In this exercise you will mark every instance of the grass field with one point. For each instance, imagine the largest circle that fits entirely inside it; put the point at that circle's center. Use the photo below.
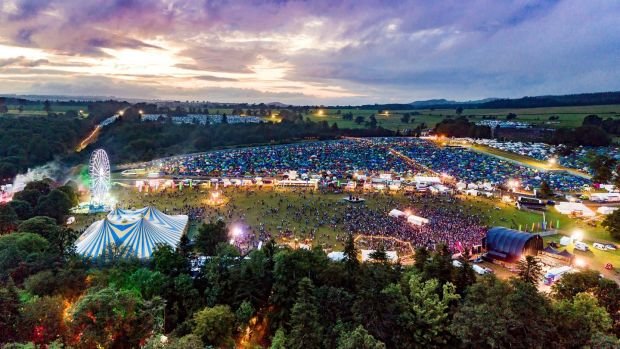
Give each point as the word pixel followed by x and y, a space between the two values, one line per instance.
pixel 251 208
pixel 37 110
pixel 248 207
pixel 568 116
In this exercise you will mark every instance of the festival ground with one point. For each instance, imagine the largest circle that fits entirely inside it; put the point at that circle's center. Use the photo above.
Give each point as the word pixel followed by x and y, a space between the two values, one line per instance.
pixel 273 210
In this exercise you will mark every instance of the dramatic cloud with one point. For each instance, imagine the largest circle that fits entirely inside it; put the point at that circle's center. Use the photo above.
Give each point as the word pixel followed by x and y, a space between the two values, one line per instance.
pixel 315 52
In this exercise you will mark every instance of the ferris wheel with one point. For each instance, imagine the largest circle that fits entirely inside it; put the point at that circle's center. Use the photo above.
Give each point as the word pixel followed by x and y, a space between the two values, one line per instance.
pixel 99 171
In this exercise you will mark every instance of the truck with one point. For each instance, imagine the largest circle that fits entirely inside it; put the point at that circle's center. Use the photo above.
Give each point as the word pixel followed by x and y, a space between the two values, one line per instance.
pixel 555 274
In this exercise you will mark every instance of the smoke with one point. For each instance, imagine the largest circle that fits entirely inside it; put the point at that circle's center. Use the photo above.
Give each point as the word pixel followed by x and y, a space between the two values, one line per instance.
pixel 53 170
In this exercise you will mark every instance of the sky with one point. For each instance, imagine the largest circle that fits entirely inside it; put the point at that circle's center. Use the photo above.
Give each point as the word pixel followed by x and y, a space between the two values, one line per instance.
pixel 309 52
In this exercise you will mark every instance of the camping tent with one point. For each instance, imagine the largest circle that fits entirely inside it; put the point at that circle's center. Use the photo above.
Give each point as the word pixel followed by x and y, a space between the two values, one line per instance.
pixel 396 213
pixel 417 220
pixel 134 232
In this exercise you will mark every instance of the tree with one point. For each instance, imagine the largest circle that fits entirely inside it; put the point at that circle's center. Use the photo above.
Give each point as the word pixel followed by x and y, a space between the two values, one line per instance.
pixel 545 190
pixel 112 318
pixel 243 314
pixel 579 320
pixel 61 239
pixel 18 248
pixel 529 270
pixel 359 119
pixel 359 339
pixel 279 340
pixel 56 204
pixel 350 252
pixel 41 284
pixel 8 219
pixel 420 258
pixel 592 119
pixel 463 276
pixel 612 224
pixel 209 236
pixel 379 255
pixel 306 330
pixel 42 320
pixel 602 167
pixel 498 314
pixel 9 312
pixel 372 122
pixel 47 106
pixel 572 284
pixel 429 309
pixel 215 326
pixel 290 267
pixel 168 261
pixel 22 208
pixel 511 116
pixel 459 110
pixel 70 189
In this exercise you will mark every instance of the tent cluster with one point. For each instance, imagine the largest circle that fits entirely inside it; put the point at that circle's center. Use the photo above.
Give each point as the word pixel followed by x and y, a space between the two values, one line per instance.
pixel 472 167
pixel 135 233
pixel 578 158
pixel 339 159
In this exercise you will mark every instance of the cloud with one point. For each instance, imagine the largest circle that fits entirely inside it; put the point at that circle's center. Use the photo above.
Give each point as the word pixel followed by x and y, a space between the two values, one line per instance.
pixel 319 51
pixel 21 61
pixel 213 78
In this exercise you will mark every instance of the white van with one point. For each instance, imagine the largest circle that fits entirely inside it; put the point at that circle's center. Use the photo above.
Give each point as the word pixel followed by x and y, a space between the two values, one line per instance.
pixel 599 246
pixel 581 246
pixel 481 270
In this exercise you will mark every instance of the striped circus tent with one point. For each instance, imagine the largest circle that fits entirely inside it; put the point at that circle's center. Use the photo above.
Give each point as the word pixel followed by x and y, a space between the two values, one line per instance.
pixel 134 232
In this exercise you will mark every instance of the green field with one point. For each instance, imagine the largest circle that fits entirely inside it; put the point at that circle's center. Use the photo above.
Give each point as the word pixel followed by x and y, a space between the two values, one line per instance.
pixel 37 110
pixel 568 116
pixel 250 207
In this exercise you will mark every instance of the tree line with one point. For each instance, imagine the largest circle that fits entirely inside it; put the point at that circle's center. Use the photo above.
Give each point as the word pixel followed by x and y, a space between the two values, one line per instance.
pixel 132 140
pixel 278 297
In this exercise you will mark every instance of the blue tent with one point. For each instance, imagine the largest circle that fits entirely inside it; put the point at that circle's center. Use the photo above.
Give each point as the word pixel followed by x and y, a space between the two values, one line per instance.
pixel 136 233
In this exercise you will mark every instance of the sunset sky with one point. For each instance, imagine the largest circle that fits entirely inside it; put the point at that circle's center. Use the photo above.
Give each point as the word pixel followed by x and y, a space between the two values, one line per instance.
pixel 309 52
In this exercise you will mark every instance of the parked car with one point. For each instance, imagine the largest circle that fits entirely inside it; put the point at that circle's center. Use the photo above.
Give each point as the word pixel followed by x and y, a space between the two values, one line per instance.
pixel 612 247
pixel 581 246
pixel 599 246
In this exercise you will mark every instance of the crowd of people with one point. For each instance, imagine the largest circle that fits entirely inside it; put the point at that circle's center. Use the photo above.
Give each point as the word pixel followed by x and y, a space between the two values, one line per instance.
pixel 448 224
pixel 308 216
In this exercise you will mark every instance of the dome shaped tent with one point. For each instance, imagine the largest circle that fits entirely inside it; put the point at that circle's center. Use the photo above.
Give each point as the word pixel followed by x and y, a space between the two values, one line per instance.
pixel 508 244
pixel 135 232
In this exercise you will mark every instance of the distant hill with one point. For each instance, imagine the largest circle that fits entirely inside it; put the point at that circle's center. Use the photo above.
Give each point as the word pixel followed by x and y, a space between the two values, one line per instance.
pixel 581 99
pixel 278 105
pixel 439 102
